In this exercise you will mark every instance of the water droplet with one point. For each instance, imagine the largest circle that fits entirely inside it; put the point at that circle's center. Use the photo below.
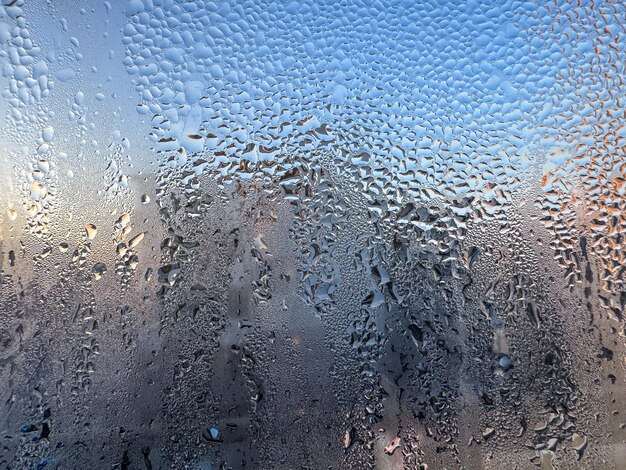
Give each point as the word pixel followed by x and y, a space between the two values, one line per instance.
pixel 48 134
pixel 99 269
pixel 90 231
pixel 133 242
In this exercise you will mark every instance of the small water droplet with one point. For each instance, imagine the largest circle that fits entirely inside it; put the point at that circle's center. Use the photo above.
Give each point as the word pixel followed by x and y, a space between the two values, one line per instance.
pixel 91 231
pixel 48 133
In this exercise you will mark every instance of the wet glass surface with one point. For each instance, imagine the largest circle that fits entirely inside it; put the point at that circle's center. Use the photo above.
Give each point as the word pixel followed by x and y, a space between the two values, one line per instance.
pixel 312 235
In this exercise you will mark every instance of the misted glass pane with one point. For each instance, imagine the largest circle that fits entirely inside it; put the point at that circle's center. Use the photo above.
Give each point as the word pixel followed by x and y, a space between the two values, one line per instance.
pixel 312 234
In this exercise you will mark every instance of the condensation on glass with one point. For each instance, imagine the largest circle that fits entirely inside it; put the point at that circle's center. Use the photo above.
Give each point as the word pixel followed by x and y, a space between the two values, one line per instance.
pixel 330 234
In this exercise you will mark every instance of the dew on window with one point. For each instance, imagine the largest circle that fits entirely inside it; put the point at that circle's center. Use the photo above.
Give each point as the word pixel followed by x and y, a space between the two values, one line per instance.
pixel 296 234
